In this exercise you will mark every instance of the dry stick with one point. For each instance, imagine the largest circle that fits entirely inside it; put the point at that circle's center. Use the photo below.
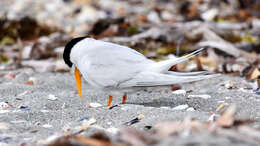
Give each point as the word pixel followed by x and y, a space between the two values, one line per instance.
pixel 215 41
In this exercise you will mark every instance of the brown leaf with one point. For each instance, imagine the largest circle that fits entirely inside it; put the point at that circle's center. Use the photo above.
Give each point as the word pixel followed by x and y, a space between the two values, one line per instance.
pixel 29 83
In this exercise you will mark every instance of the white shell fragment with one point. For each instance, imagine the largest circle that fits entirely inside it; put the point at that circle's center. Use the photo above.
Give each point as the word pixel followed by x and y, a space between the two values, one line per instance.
pixel 52 97
pixel 190 109
pixel 180 92
pixel 89 122
pixel 3 106
pixel 47 126
pixel 95 104
pixel 212 118
pixel 181 107
pixel 112 130
pixel 204 96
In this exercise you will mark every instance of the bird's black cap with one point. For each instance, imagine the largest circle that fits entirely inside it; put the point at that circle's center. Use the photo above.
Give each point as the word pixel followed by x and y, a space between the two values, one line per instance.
pixel 68 47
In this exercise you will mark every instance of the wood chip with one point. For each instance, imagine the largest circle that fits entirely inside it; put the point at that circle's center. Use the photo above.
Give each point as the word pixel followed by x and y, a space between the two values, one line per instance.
pixel 227 118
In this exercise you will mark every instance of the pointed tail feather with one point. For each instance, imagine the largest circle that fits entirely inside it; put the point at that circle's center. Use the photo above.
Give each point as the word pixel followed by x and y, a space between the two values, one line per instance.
pixel 187 73
pixel 157 79
pixel 164 66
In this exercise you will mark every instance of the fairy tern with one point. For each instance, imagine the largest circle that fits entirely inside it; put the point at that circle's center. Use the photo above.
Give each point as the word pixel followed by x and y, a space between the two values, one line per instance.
pixel 116 69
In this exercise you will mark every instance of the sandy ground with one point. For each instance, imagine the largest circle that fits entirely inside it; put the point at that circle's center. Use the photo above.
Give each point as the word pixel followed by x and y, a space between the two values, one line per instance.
pixel 32 117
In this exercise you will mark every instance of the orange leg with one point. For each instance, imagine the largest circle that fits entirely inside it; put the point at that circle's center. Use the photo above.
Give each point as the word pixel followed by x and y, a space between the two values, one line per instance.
pixel 124 98
pixel 109 100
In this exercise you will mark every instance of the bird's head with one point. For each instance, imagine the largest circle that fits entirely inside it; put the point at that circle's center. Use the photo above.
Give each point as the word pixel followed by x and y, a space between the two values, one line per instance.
pixel 67 50
pixel 66 57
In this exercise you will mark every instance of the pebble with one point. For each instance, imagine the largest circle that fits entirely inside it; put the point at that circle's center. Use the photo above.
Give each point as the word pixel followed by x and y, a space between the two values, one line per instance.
pixel 181 107
pixel 227 97
pixel 44 111
pixel 230 85
pixel 52 97
pixel 95 104
pixel 204 96
pixel 180 92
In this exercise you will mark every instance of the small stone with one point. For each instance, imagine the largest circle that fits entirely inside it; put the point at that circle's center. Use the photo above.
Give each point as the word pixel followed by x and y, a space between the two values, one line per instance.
pixel 52 97
pixel 95 104
pixel 181 107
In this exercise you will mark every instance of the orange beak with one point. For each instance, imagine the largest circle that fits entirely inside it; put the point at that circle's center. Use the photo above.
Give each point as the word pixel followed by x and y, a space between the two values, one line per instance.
pixel 78 81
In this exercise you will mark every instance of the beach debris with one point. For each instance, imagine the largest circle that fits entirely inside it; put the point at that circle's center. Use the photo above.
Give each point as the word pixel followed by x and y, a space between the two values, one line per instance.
pixel 26 108
pixel 227 118
pixel 179 92
pixel 135 120
pixel 98 139
pixel 212 118
pixel 95 104
pixel 221 106
pixel 181 107
pixel 203 96
pixel 52 97
pixel 23 93
pixel 84 118
pixel 190 109
pixel 230 85
pixel 4 105
pixel 254 74
pixel 47 126
pixel 113 106
pixel 113 130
